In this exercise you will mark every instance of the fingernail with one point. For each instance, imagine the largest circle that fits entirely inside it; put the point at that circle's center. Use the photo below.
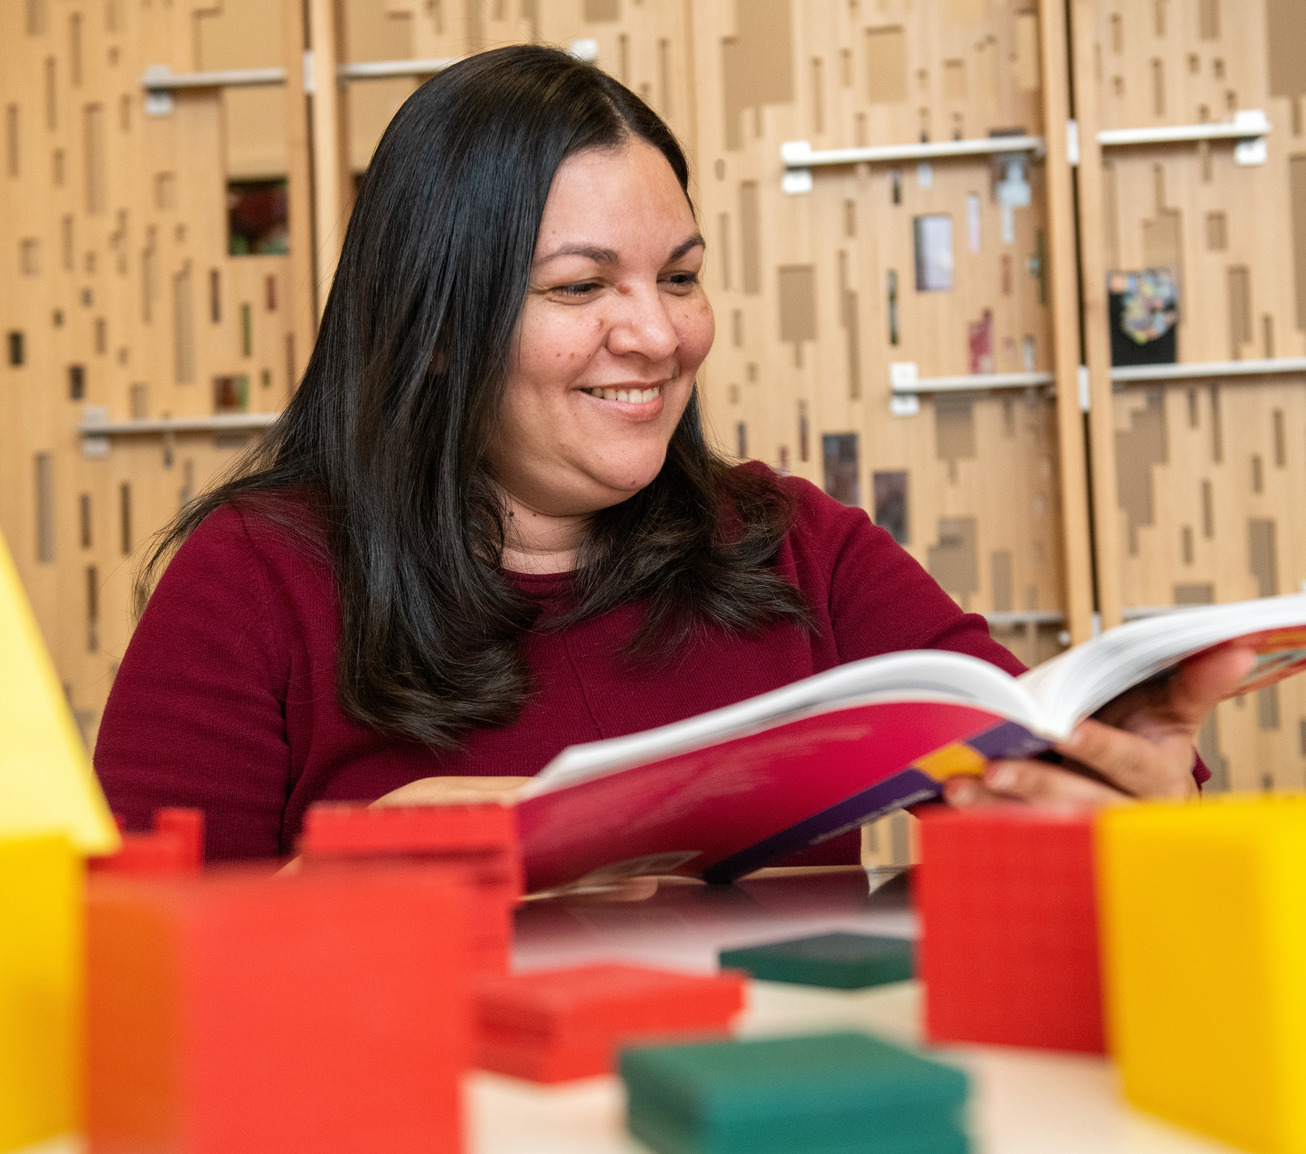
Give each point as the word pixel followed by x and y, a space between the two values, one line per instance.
pixel 1000 776
pixel 962 791
pixel 1073 740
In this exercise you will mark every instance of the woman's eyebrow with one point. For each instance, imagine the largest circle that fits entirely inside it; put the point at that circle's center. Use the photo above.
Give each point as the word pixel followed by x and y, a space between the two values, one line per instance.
pixel 588 251
pixel 609 256
pixel 687 245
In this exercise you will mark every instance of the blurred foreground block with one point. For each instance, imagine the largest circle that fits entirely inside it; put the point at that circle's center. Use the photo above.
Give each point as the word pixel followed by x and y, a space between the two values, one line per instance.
pixel 838 961
pixel 47 785
pixel 174 846
pixel 40 989
pixel 1204 928
pixel 1009 933
pixel 819 1094
pixel 476 842
pixel 237 1013
pixel 555 1025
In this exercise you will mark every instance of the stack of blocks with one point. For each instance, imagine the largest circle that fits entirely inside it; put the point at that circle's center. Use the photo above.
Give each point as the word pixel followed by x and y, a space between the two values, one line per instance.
pixel 478 843
pixel 1204 936
pixel 234 1011
pixel 52 815
pixel 1009 930
pixel 837 961
pixel 822 1094
pixel 555 1025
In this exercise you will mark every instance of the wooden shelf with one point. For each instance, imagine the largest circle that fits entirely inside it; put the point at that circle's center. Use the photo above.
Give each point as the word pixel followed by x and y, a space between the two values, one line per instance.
pixel 377 69
pixel 799 158
pixel 1006 618
pixel 970 382
pixel 1246 125
pixel 91 426
pixel 1141 374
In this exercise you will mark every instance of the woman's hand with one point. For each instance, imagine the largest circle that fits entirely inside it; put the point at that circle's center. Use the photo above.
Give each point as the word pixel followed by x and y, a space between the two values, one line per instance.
pixel 455 791
pixel 1140 745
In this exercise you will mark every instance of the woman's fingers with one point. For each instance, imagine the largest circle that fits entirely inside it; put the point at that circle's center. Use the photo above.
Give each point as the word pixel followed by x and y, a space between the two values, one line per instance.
pixel 1031 782
pixel 1182 701
pixel 455 791
pixel 1139 765
pixel 1141 745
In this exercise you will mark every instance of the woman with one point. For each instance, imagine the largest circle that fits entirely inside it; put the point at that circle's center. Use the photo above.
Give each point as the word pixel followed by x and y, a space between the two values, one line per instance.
pixel 488 524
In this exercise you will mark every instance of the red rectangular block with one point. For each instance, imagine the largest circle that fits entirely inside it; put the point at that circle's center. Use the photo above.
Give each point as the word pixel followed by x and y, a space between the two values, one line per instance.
pixel 483 837
pixel 239 1012
pixel 553 1025
pixel 1009 933
pixel 175 846
pixel 478 842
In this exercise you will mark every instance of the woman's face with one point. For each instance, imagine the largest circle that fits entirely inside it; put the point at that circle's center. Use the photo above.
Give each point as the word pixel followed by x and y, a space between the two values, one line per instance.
pixel 613 330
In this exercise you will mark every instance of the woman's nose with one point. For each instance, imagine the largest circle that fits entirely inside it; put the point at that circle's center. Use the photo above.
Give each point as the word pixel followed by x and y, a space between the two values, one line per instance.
pixel 643 326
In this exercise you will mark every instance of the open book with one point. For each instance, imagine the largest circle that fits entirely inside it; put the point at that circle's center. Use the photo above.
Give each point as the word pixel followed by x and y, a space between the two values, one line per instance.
pixel 724 793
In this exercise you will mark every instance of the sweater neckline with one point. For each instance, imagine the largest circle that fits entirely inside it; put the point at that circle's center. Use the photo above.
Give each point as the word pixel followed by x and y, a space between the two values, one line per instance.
pixel 539 582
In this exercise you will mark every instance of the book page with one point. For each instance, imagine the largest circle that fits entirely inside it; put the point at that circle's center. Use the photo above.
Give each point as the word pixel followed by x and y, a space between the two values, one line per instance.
pixel 913 675
pixel 1079 682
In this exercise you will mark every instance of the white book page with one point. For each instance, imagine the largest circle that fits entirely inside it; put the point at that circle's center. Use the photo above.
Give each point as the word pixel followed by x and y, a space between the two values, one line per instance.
pixel 913 675
pixel 1079 682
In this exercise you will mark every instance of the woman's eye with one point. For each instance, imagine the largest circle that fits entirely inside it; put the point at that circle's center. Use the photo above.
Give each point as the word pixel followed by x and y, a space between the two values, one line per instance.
pixel 682 279
pixel 585 288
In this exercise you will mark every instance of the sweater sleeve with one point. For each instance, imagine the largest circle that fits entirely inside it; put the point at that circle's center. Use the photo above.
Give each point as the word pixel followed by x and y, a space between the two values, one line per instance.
pixel 196 714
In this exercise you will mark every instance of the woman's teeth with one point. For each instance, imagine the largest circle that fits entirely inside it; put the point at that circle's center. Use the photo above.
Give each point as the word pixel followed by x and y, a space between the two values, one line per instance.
pixel 634 396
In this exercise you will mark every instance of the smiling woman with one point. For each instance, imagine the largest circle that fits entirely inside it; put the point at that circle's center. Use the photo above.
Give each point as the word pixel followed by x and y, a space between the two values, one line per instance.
pixel 488 525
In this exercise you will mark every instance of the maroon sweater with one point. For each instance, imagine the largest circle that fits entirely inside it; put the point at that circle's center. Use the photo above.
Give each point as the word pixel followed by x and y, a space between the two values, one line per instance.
pixel 226 697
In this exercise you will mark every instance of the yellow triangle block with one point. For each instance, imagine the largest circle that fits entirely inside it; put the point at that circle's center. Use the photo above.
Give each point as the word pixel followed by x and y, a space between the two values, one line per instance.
pixel 47 785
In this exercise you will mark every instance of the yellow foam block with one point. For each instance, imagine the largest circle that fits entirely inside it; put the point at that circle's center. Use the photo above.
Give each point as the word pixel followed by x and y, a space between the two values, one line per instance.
pixel 1203 917
pixel 46 781
pixel 41 986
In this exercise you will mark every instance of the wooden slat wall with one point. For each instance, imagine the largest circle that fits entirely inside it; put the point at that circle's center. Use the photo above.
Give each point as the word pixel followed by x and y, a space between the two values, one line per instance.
pixel 1207 474
pixel 988 489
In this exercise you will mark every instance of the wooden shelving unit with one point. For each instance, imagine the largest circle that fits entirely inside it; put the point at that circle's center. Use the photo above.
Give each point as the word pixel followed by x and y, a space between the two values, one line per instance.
pixel 940 184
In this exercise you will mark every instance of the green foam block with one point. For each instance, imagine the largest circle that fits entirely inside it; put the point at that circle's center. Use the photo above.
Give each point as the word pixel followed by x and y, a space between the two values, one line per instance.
pixel 815 1094
pixel 839 961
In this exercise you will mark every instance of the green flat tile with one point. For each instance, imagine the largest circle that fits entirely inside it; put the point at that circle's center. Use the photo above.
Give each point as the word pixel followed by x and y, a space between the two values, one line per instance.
pixel 669 1135
pixel 813 1094
pixel 838 961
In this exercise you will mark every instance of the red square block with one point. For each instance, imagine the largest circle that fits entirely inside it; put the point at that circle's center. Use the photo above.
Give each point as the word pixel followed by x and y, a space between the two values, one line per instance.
pixel 175 846
pixel 1009 933
pixel 554 1025
pixel 477 841
pixel 234 1011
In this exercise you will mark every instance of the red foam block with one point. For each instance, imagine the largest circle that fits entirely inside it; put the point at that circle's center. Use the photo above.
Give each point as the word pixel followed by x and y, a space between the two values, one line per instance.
pixel 235 1011
pixel 1009 933
pixel 553 1025
pixel 176 846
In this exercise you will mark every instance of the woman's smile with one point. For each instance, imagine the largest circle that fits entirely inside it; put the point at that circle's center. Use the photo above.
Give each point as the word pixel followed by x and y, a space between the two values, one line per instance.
pixel 643 396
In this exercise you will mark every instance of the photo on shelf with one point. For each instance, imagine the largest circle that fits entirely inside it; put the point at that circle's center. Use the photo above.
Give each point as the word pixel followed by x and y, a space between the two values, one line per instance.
pixel 1143 308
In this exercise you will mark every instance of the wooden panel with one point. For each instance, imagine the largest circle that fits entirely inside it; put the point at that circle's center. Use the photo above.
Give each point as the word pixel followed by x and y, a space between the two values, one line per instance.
pixel 1208 471
pixel 122 289
pixel 855 231
pixel 128 218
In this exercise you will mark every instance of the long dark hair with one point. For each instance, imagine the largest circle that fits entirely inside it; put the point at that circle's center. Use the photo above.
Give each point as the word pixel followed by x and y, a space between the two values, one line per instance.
pixel 387 436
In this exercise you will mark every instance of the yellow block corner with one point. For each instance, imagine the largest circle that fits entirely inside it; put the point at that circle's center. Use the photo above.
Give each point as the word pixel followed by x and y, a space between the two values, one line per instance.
pixel 47 784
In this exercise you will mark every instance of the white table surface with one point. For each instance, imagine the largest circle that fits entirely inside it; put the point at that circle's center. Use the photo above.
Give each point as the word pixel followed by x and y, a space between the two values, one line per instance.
pixel 1022 1101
